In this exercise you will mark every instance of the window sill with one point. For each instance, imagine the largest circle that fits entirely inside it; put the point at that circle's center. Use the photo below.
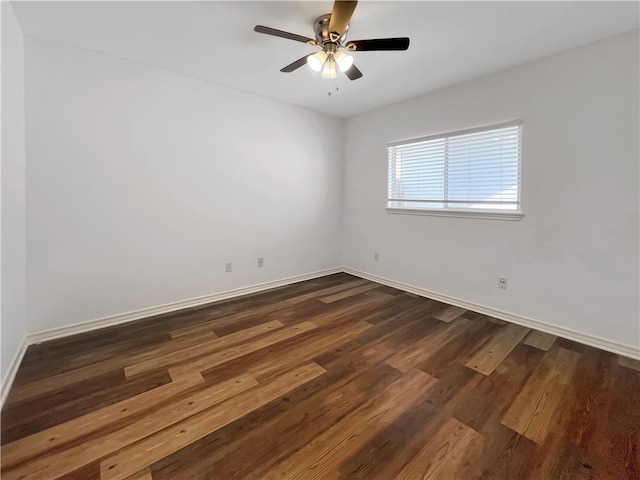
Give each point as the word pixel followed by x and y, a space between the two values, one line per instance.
pixel 467 213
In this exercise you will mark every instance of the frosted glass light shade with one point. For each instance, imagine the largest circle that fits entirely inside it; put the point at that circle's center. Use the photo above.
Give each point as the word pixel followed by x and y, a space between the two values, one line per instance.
pixel 316 60
pixel 344 61
pixel 329 68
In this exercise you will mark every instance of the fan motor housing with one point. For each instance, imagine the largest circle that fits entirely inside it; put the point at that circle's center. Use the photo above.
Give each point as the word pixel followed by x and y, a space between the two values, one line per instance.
pixel 321 29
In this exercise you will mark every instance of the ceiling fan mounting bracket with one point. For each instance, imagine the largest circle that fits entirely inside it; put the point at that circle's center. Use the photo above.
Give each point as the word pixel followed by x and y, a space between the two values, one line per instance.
pixel 323 35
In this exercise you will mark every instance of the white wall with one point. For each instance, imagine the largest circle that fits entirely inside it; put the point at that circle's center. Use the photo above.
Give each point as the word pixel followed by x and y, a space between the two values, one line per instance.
pixel 143 183
pixel 13 191
pixel 572 261
pixel 133 180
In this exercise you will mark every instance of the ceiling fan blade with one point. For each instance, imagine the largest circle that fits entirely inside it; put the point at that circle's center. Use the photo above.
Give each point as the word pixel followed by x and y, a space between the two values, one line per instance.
pixel 353 73
pixel 295 65
pixel 283 34
pixel 340 16
pixel 401 43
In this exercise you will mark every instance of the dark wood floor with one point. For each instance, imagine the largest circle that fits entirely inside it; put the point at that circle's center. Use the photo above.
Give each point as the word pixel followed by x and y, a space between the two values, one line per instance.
pixel 334 378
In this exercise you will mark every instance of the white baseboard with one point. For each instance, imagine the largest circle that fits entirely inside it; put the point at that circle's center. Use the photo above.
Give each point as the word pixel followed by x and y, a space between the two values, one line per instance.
pixel 601 343
pixel 10 376
pixel 111 320
pixel 55 333
pixel 82 327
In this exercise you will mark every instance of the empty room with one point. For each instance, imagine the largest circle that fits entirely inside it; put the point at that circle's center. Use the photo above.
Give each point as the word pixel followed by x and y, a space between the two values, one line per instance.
pixel 320 240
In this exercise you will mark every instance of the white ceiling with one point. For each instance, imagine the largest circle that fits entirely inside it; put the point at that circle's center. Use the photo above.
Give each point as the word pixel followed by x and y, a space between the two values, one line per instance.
pixel 451 42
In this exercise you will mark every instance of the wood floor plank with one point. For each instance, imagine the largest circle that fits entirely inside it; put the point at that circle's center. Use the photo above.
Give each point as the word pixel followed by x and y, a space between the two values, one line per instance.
pixel 258 305
pixel 427 346
pixel 88 348
pixel 507 454
pixel 384 455
pixel 201 349
pixel 627 362
pixel 266 309
pixel 379 293
pixel 149 450
pixel 384 337
pixel 191 331
pixel 540 340
pixel 308 351
pixel 141 475
pixel 90 471
pixel 62 462
pixel 533 410
pixel 59 381
pixel 348 293
pixel 362 308
pixel 40 443
pixel 288 353
pixel 358 308
pixel 300 417
pixel 580 440
pixel 450 313
pixel 323 455
pixel 41 366
pixel 87 372
pixel 28 418
pixel 246 317
pixel 410 327
pixel 495 393
pixel 220 357
pixel 179 376
pixel 423 307
pixel 386 448
pixel 450 454
pixel 623 453
pixel 488 357
pixel 458 348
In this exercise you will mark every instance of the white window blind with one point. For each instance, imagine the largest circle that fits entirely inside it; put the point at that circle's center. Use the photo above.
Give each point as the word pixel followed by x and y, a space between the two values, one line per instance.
pixel 476 169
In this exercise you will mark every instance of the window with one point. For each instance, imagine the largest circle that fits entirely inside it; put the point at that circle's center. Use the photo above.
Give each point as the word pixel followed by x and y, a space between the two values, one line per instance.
pixel 467 173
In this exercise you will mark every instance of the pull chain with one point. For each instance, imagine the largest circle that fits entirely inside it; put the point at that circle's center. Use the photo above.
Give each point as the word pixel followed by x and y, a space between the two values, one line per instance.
pixel 337 88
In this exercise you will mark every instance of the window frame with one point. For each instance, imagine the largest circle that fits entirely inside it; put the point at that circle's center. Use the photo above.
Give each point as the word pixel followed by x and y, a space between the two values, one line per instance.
pixel 491 214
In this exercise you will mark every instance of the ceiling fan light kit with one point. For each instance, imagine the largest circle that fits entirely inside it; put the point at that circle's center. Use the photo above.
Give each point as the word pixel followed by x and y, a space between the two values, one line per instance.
pixel 343 60
pixel 331 35
pixel 329 68
pixel 316 61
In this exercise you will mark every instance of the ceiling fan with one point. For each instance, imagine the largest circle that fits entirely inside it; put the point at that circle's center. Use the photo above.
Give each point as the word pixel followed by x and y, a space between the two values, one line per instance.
pixel 331 36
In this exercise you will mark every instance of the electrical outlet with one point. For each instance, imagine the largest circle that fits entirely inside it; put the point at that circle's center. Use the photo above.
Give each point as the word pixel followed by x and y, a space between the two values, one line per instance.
pixel 260 262
pixel 228 267
pixel 502 283
pixel 376 256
